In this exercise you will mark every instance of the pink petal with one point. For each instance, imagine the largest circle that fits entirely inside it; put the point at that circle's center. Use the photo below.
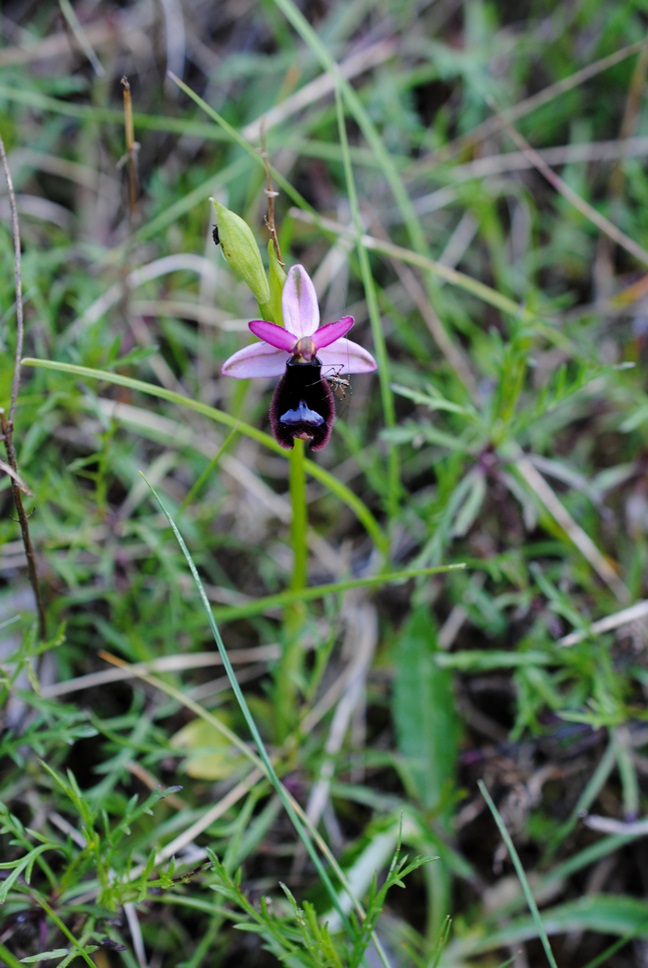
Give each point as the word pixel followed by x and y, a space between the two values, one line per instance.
pixel 275 335
pixel 348 356
pixel 259 359
pixel 328 334
pixel 299 303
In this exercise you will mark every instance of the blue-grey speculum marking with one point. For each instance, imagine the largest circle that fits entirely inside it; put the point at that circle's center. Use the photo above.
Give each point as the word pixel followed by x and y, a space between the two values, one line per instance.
pixel 302 415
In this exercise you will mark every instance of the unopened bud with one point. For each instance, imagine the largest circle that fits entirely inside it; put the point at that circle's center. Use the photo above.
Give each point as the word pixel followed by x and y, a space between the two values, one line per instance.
pixel 242 254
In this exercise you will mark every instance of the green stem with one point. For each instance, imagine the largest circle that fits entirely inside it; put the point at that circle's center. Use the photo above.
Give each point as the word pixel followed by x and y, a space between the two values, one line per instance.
pixel 299 524
pixel 9 959
pixel 290 669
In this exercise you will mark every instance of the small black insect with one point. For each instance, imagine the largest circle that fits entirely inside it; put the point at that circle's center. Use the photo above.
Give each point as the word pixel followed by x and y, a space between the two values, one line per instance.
pixel 215 235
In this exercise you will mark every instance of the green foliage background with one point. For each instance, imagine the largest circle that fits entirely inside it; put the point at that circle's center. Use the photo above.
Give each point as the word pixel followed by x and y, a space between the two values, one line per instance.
pixel 156 815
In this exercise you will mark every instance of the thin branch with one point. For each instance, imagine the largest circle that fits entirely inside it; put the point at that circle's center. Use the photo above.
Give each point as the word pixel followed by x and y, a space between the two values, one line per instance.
pixel 543 491
pixel 271 194
pixel 8 424
pixel 20 326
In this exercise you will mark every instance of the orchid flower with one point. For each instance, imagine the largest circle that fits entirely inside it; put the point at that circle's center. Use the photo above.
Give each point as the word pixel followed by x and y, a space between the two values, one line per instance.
pixel 302 406
pixel 301 337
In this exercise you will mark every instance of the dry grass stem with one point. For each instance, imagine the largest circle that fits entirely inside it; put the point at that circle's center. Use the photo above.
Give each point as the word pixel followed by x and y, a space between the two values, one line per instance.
pixel 492 125
pixel 627 616
pixel 580 539
pixel 579 203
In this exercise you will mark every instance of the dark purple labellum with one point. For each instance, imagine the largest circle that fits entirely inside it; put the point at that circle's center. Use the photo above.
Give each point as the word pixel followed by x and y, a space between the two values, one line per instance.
pixel 302 406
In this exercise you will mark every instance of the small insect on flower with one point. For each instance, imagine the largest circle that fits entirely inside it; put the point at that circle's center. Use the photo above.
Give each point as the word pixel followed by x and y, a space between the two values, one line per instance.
pixel 302 406
pixel 215 235
pixel 339 384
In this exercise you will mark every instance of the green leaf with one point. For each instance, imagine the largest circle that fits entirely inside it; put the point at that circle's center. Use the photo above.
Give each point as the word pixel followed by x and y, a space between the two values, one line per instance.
pixel 472 504
pixel 433 400
pixel 209 755
pixel 22 866
pixel 612 914
pixel 424 712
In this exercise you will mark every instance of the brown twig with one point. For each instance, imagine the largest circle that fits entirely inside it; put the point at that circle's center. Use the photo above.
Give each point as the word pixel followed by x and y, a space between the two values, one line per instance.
pixel 130 158
pixel 271 194
pixel 579 203
pixel 7 423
